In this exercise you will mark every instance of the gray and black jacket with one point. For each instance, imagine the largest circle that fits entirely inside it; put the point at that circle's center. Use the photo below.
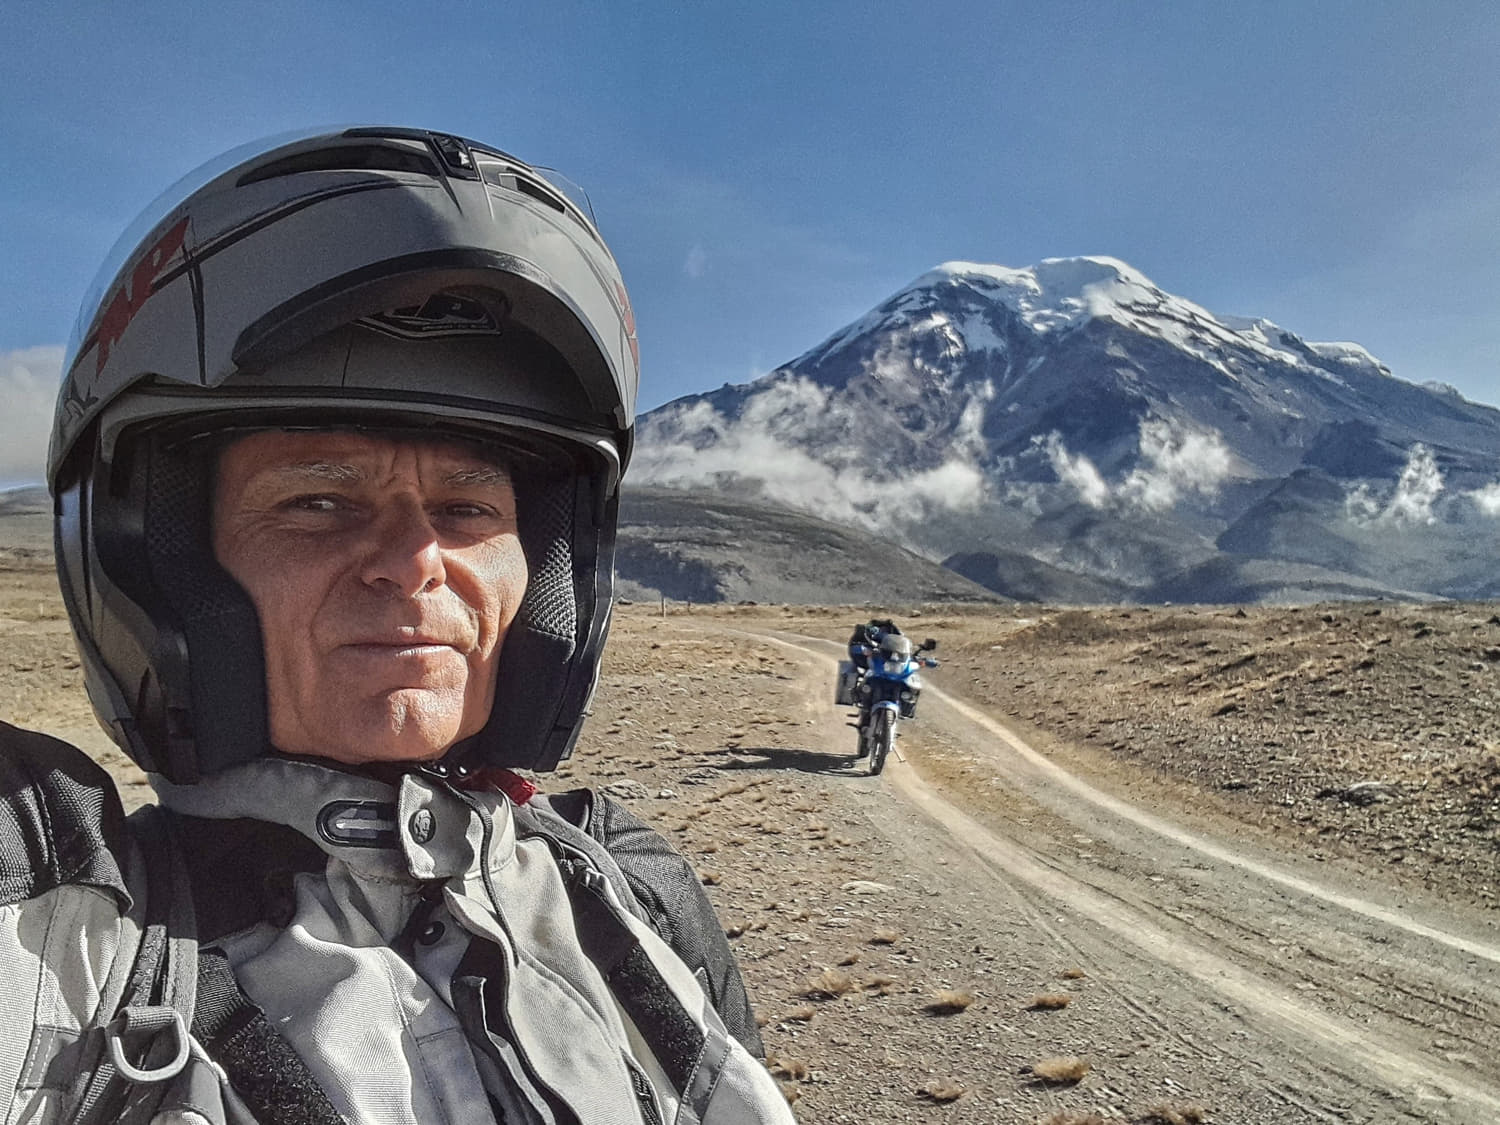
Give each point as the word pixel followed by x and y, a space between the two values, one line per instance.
pixel 292 943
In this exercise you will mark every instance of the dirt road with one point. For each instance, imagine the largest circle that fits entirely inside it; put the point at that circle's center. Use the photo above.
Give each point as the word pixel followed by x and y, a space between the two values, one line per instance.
pixel 1205 975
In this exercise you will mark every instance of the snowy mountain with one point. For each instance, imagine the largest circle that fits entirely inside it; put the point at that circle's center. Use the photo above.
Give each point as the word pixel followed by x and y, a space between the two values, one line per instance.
pixel 1075 414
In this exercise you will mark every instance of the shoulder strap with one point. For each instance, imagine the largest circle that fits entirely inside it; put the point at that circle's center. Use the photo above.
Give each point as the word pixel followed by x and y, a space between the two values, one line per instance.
pixel 668 893
pixel 174 985
pixel 146 1043
pixel 268 1075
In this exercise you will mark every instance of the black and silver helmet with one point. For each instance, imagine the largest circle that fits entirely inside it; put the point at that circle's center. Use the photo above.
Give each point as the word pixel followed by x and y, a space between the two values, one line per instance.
pixel 372 277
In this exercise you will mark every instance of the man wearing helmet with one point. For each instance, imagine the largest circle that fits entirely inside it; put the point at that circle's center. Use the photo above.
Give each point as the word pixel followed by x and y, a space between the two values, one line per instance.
pixel 336 471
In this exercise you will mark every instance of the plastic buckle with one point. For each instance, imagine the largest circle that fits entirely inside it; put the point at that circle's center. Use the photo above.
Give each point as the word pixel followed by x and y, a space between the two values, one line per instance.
pixel 152 1019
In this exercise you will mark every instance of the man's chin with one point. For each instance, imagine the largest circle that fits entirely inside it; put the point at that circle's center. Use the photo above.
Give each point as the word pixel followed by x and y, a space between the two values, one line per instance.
pixel 395 735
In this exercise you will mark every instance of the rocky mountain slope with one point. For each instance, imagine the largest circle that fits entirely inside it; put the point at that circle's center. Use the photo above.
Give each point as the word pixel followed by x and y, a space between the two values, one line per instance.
pixel 700 546
pixel 1076 415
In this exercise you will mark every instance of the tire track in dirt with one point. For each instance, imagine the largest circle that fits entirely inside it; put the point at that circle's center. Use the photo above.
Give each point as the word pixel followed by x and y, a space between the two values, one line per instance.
pixel 1420 1077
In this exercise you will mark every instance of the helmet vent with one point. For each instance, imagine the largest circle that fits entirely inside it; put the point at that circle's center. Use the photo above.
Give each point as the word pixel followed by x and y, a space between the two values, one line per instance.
pixel 343 158
pixel 526 187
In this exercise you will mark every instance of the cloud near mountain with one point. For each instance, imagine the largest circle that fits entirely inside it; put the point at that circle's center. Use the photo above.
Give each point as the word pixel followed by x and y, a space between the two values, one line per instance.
pixel 28 388
pixel 1174 460
pixel 763 449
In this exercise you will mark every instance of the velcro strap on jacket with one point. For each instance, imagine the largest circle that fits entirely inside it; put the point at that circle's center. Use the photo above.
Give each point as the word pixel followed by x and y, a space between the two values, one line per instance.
pixel 268 1075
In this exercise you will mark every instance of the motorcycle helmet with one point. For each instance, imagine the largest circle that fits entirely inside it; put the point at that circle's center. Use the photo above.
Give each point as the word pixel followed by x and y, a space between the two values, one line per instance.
pixel 384 278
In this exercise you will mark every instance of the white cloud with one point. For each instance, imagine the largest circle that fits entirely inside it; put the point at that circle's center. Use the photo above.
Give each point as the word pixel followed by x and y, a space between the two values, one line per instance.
pixel 1077 471
pixel 1487 499
pixel 1362 505
pixel 696 262
pixel 28 390
pixel 1416 491
pixel 1177 460
pixel 1174 460
pixel 695 445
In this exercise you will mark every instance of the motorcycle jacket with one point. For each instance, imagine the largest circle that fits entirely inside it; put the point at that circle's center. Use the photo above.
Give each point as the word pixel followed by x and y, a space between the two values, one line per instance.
pixel 321 946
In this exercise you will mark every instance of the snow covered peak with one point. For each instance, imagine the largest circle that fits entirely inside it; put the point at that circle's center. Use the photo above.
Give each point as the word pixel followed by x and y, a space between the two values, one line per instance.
pixel 1059 294
pixel 1052 280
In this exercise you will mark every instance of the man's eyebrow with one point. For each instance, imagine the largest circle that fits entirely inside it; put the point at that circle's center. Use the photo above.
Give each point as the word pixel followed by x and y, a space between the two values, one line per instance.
pixel 481 475
pixel 320 470
pixel 342 473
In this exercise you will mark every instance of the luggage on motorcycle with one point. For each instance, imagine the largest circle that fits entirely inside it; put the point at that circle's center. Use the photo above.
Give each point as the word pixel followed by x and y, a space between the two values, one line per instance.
pixel 843 692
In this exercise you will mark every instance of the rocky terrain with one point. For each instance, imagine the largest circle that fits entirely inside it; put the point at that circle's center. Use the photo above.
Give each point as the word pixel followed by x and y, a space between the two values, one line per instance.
pixel 1130 865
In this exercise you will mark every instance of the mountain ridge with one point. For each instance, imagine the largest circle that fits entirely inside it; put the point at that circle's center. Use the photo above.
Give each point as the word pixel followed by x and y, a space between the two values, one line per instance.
pixel 977 407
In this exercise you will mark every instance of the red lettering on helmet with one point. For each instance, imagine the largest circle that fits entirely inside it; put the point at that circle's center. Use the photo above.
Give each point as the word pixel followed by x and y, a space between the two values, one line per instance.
pixel 628 315
pixel 131 297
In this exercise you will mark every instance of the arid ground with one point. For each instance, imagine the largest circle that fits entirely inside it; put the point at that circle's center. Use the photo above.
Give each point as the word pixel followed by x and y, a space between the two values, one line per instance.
pixel 1148 865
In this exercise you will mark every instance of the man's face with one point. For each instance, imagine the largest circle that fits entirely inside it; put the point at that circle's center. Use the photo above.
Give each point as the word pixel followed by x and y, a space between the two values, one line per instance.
pixel 385 574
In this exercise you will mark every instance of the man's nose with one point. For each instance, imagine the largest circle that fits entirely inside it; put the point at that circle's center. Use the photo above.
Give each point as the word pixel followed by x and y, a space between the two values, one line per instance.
pixel 404 556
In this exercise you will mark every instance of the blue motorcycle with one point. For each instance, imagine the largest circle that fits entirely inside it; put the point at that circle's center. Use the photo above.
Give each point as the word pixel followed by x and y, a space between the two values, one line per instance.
pixel 883 680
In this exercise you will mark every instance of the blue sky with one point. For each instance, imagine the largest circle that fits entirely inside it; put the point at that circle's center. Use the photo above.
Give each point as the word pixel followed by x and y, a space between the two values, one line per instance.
pixel 768 171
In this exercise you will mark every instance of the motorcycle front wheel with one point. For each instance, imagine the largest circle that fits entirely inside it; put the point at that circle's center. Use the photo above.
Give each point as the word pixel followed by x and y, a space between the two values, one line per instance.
pixel 882 738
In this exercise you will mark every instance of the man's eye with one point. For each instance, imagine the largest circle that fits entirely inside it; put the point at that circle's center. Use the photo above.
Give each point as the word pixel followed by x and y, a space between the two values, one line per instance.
pixel 467 510
pixel 313 503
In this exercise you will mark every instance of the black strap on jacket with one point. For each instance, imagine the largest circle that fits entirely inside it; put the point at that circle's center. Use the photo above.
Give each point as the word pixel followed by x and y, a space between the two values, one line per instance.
pixel 268 1075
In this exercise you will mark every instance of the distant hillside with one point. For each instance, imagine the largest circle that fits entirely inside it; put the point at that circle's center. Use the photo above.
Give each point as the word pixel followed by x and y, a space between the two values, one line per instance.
pixel 26 527
pixel 694 545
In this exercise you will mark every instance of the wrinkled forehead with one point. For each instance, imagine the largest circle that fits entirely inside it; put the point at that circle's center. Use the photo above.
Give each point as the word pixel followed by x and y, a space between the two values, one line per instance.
pixel 356 456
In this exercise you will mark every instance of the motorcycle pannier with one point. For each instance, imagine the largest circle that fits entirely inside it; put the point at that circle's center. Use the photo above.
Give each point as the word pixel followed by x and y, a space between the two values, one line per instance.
pixel 843 692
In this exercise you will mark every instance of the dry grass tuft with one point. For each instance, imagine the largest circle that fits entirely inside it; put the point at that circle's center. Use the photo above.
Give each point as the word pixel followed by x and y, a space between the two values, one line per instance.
pixel 949 1001
pixel 781 1067
pixel 1165 1113
pixel 849 959
pixel 1049 1002
pixel 791 1092
pixel 710 878
pixel 941 1090
pixel 802 1014
pixel 880 984
pixel 737 929
pixel 830 984
pixel 885 936
pixel 1064 1070
pixel 708 848
pixel 1072 974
